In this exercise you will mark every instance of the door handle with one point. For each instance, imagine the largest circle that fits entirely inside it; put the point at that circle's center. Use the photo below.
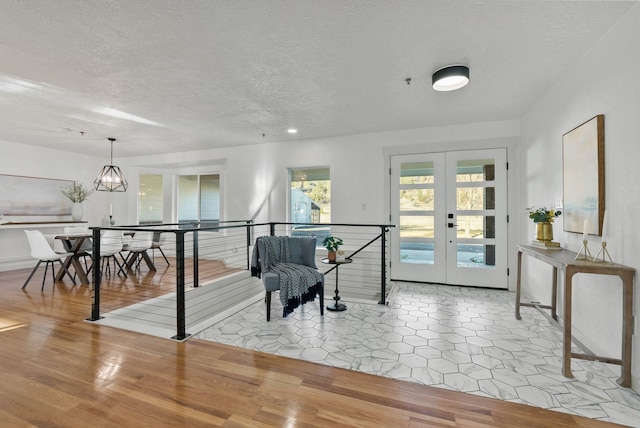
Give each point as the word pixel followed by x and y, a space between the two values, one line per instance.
pixel 451 225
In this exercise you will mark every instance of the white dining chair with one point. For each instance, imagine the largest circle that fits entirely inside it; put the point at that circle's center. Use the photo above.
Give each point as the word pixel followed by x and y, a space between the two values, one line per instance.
pixel 140 243
pixel 54 243
pixel 111 243
pixel 159 239
pixel 42 251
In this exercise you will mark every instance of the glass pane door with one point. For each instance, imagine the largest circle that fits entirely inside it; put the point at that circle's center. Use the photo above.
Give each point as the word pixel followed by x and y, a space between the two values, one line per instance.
pixel 450 209
pixel 476 218
pixel 418 183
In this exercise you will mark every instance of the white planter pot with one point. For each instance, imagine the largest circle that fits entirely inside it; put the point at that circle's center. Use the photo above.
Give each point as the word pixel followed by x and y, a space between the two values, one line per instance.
pixel 76 211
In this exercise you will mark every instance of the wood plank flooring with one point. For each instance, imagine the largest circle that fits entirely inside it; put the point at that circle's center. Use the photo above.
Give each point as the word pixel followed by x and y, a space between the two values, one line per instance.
pixel 60 371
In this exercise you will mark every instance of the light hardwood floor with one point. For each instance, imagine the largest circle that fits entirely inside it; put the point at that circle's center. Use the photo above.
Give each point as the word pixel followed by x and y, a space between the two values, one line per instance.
pixel 60 371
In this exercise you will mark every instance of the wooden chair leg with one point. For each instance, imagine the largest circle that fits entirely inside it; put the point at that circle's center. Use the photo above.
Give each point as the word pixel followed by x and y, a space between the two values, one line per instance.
pixel 268 298
pixel 31 275
pixel 120 267
pixel 104 263
pixel 44 277
pixel 138 260
pixel 165 257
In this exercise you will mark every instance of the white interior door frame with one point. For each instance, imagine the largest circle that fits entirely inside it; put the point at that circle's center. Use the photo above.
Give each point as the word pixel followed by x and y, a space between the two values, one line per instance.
pixel 426 246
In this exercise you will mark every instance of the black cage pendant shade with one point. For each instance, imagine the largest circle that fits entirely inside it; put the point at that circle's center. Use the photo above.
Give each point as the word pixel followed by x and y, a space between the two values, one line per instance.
pixel 111 179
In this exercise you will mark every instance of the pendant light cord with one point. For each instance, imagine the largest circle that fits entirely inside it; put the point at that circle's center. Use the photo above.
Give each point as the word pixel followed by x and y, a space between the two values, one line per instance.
pixel 112 140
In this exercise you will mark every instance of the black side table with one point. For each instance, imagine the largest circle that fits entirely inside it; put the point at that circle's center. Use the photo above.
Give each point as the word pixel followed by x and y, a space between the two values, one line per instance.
pixel 337 306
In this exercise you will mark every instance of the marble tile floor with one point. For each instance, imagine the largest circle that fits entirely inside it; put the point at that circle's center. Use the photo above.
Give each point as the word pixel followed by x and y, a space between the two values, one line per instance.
pixel 459 338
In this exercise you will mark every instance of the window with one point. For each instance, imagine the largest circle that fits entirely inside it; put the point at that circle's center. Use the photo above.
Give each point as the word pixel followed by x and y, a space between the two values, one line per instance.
pixel 310 200
pixel 199 198
pixel 150 199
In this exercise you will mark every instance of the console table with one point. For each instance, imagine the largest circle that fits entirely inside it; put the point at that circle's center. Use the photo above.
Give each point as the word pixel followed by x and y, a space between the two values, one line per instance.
pixel 564 261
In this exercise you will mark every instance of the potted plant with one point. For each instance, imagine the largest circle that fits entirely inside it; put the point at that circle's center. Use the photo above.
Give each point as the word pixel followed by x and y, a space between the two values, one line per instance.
pixel 331 243
pixel 543 218
pixel 77 194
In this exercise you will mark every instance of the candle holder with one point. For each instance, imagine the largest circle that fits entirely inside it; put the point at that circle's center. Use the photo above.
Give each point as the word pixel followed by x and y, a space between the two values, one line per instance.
pixel 605 254
pixel 584 251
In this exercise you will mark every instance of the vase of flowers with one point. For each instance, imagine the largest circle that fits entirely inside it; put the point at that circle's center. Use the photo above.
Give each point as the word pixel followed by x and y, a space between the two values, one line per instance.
pixel 77 194
pixel 543 218
pixel 331 243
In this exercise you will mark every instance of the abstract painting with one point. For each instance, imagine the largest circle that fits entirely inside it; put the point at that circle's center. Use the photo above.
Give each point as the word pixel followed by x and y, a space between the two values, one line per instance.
pixel 583 173
pixel 32 196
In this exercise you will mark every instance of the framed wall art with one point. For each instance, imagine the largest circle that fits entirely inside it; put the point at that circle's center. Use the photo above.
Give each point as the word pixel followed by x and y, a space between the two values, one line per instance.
pixel 583 177
pixel 33 196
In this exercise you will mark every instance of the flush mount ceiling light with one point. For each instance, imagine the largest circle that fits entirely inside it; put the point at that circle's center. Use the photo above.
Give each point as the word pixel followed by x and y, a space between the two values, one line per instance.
pixel 111 179
pixel 450 78
pixel 292 131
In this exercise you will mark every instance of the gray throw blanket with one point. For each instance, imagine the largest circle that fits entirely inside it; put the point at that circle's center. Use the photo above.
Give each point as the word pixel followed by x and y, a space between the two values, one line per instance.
pixel 299 284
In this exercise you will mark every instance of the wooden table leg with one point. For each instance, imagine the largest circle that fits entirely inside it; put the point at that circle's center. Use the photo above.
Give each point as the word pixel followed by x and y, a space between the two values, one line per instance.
pixel 77 265
pixel 66 264
pixel 148 261
pixel 627 327
pixel 73 247
pixel 518 285
pixel 566 341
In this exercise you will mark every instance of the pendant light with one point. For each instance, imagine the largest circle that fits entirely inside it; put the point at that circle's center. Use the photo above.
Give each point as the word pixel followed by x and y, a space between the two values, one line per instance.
pixel 450 78
pixel 111 179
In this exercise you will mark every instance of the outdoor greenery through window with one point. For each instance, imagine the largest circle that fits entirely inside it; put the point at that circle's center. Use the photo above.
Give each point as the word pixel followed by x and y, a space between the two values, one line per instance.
pixel 472 194
pixel 199 198
pixel 150 199
pixel 310 201
pixel 417 200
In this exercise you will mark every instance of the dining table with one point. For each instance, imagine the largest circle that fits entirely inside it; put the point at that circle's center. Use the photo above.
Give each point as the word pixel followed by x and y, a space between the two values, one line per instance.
pixel 73 243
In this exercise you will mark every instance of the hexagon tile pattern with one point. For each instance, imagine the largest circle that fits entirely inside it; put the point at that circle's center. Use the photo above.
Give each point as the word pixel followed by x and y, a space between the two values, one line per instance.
pixel 459 338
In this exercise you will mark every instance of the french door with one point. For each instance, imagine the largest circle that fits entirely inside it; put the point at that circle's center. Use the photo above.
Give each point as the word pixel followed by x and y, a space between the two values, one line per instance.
pixel 451 215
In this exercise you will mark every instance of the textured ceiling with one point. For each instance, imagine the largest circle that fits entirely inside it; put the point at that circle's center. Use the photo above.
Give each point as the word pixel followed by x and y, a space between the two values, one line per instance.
pixel 198 74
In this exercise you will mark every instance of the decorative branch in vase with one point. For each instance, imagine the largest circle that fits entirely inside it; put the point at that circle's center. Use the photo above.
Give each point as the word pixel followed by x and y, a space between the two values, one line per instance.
pixel 77 194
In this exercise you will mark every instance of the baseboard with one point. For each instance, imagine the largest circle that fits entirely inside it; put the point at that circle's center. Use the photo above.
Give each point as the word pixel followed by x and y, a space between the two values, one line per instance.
pixel 15 264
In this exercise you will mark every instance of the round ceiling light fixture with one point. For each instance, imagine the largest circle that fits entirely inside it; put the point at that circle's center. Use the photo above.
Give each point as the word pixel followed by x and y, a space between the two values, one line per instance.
pixel 292 131
pixel 450 78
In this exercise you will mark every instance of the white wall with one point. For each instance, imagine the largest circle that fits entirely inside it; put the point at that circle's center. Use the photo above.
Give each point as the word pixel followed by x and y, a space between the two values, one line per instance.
pixel 604 81
pixel 256 176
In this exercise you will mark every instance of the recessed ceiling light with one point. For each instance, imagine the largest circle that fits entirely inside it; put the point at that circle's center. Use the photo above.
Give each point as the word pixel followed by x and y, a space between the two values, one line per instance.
pixel 292 131
pixel 450 78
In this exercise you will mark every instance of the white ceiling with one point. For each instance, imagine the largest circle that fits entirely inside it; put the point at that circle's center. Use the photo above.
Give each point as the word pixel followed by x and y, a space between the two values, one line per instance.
pixel 196 74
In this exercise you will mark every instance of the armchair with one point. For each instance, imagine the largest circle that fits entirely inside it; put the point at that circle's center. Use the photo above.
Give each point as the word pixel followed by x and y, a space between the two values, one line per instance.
pixel 287 264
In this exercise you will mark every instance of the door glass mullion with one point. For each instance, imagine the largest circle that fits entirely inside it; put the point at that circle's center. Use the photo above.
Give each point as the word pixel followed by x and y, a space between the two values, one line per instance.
pixel 476 212
pixel 416 186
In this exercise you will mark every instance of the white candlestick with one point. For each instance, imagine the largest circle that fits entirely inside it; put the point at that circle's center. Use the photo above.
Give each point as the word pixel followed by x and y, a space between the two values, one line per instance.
pixel 110 209
pixel 585 227
pixel 604 227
